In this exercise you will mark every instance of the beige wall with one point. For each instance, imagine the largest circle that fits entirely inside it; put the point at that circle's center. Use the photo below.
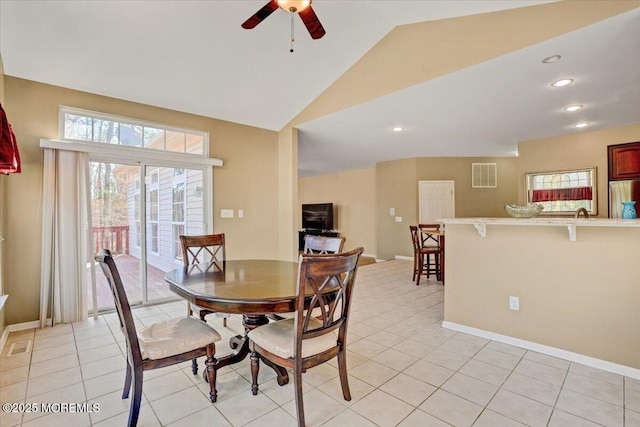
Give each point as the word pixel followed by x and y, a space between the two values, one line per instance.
pixel 396 182
pixel 287 195
pixel 397 187
pixel 248 180
pixel 579 150
pixel 354 197
pixel 476 202
pixel 2 244
pixel 3 184
pixel 578 296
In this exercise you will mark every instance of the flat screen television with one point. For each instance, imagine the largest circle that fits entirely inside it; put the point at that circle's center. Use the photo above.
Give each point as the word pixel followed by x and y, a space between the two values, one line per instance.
pixel 317 216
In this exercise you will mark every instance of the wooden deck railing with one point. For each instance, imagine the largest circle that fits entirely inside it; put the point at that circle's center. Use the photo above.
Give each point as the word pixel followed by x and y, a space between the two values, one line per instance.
pixel 114 238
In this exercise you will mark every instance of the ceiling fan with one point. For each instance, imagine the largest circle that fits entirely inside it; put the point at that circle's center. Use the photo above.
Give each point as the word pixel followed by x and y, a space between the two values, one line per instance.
pixel 302 7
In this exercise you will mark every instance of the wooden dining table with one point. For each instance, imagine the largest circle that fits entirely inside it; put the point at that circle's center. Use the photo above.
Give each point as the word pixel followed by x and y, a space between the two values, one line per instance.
pixel 253 288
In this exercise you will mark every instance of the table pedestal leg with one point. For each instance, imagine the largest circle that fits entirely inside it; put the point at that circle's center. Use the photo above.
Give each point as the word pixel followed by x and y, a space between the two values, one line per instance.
pixel 240 343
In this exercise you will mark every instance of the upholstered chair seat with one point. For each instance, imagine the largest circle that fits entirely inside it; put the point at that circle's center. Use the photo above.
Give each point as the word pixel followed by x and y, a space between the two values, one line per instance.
pixel 279 338
pixel 175 336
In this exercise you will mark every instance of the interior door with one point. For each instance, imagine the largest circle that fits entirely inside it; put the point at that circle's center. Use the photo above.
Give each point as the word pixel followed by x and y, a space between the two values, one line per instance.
pixel 436 200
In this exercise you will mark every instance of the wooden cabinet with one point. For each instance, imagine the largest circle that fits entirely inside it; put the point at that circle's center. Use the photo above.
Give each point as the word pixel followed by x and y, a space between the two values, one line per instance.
pixel 624 161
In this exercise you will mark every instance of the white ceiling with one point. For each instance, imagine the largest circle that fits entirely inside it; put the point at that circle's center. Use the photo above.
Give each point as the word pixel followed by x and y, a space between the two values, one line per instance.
pixel 486 109
pixel 193 56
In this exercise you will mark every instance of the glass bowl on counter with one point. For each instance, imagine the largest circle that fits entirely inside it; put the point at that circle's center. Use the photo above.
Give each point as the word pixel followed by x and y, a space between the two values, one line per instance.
pixel 529 211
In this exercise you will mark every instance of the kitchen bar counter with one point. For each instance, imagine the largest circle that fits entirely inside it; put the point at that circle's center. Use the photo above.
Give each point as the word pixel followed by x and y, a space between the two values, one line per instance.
pixel 572 224
pixel 579 298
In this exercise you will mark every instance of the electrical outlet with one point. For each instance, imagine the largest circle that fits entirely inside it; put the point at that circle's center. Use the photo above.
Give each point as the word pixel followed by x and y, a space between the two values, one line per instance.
pixel 514 303
pixel 240 213
pixel 226 213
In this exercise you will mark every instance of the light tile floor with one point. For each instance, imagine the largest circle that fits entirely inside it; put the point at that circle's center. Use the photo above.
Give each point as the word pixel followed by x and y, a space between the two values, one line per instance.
pixel 404 370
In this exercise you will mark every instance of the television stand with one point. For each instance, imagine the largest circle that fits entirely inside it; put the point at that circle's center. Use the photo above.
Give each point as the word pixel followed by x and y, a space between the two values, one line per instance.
pixel 303 233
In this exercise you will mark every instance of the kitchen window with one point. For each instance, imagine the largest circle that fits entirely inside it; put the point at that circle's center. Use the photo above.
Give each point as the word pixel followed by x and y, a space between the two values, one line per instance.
pixel 563 192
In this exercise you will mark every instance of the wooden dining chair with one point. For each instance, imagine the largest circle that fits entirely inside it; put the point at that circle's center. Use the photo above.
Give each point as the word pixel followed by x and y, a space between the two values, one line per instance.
pixel 206 248
pixel 315 245
pixel 325 283
pixel 161 344
pixel 322 245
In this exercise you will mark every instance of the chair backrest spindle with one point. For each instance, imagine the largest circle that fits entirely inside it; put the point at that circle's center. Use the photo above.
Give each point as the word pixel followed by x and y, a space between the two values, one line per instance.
pixel 428 239
pixel 323 245
pixel 196 249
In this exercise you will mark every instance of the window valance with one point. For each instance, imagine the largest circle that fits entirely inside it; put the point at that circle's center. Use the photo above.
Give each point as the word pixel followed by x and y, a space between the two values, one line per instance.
pixel 553 194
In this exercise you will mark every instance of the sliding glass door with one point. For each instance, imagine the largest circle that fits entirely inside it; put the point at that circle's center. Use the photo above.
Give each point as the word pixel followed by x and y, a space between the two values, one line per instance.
pixel 111 215
pixel 174 206
pixel 139 210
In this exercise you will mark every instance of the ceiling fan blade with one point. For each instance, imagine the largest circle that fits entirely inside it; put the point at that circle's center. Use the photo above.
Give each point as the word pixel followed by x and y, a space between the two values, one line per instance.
pixel 260 15
pixel 312 23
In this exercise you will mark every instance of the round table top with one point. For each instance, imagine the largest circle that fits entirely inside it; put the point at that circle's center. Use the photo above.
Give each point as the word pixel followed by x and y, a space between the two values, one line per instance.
pixel 238 286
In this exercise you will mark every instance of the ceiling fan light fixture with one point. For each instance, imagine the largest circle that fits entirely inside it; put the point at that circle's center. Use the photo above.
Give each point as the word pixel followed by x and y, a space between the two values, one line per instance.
pixel 397 129
pixel 294 6
pixel 302 8
pixel 582 125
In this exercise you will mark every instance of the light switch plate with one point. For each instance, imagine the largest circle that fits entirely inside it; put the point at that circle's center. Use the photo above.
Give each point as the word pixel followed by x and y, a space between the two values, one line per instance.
pixel 226 213
pixel 240 213
pixel 398 219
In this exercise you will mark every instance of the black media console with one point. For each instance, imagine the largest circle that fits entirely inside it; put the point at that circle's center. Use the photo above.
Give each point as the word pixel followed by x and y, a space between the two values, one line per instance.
pixel 325 233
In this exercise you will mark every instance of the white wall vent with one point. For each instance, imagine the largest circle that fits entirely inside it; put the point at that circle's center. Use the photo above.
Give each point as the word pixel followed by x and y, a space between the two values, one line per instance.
pixel 484 175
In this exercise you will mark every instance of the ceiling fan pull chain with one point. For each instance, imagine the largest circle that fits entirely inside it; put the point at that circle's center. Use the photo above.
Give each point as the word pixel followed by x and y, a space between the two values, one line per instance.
pixel 292 39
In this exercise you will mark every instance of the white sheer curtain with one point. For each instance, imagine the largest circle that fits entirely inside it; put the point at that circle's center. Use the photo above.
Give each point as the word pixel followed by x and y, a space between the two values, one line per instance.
pixel 65 222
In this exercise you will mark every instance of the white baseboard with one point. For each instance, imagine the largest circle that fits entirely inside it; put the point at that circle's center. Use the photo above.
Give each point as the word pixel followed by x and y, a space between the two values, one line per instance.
pixel 405 258
pixel 627 371
pixel 26 325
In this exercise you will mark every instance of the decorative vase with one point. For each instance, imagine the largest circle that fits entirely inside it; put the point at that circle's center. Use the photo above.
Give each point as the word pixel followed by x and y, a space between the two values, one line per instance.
pixel 628 210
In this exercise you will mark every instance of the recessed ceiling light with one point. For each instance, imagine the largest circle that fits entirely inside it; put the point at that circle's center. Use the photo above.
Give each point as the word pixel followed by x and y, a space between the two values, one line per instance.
pixel 563 82
pixel 582 124
pixel 398 129
pixel 574 107
pixel 550 59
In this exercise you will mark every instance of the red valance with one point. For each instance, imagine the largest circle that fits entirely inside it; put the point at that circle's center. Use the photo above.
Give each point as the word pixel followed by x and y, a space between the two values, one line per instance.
pixel 553 194
pixel 9 156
